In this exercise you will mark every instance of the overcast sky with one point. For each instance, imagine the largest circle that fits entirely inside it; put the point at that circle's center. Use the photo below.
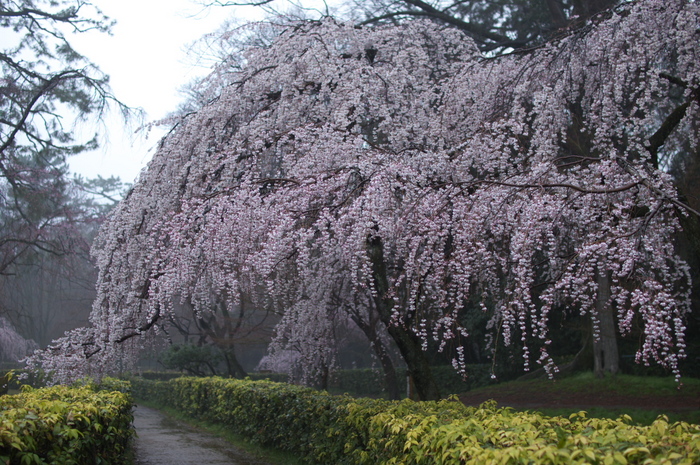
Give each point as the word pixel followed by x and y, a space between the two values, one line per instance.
pixel 147 63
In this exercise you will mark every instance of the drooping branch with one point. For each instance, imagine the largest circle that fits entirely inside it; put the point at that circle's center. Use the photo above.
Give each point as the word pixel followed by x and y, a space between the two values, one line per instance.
pixel 659 138
pixel 141 329
pixel 649 185
pixel 574 187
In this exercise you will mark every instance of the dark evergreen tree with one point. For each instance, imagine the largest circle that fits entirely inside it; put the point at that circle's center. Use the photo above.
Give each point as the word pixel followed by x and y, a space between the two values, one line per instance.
pixel 46 89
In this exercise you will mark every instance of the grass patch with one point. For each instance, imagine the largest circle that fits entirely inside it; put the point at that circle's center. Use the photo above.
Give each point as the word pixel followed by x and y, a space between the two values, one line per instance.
pixel 270 455
pixel 629 385
pixel 621 385
pixel 639 390
pixel 625 385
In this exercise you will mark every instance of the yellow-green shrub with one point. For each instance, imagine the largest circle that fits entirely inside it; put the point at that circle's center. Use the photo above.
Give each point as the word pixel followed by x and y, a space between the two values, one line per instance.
pixel 343 430
pixel 491 435
pixel 65 425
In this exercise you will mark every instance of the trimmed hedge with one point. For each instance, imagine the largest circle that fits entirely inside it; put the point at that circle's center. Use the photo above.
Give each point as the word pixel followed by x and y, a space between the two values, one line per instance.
pixel 276 377
pixel 342 430
pixel 370 382
pixel 362 382
pixel 63 425
pixel 160 375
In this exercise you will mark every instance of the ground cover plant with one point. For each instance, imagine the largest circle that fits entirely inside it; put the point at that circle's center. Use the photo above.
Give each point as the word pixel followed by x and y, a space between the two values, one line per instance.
pixel 64 425
pixel 321 428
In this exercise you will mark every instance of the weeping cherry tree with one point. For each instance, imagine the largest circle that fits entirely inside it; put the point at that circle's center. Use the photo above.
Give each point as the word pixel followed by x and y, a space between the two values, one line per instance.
pixel 395 174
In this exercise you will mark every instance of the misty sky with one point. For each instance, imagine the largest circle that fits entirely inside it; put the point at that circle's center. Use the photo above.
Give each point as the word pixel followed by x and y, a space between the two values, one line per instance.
pixel 147 63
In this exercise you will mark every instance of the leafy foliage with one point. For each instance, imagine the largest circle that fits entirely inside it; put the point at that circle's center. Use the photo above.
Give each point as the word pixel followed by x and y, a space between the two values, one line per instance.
pixel 343 430
pixel 46 89
pixel 66 425
pixel 195 360
pixel 497 25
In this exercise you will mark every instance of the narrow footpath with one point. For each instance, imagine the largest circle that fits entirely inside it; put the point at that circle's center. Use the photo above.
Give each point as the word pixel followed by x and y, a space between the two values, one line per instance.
pixel 161 440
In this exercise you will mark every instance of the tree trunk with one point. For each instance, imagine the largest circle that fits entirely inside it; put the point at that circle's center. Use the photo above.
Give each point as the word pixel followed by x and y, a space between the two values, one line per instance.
pixel 382 353
pixel 416 361
pixel 233 366
pixel 408 343
pixel 606 358
pixel 324 376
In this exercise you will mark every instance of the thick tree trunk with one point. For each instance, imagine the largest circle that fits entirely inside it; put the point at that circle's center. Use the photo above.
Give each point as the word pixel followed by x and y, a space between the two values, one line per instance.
pixel 584 9
pixel 382 353
pixel 390 378
pixel 234 367
pixel 321 382
pixel 418 366
pixel 606 358
pixel 408 343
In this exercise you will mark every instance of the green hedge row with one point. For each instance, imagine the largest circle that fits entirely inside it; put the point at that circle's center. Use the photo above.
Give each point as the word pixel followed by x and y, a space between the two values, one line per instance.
pixel 325 429
pixel 160 375
pixel 63 425
pixel 370 382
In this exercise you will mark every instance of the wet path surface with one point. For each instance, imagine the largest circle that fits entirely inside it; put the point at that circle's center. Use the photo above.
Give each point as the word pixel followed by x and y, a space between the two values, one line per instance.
pixel 164 441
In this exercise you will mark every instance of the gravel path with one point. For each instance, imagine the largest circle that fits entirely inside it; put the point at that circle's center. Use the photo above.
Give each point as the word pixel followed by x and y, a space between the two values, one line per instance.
pixel 162 440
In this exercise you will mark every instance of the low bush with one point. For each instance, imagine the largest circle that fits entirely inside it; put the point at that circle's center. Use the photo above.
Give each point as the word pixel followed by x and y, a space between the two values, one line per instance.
pixel 193 359
pixel 451 382
pixel 160 375
pixel 361 382
pixel 12 380
pixel 343 430
pixel 63 425
pixel 368 382
pixel 276 377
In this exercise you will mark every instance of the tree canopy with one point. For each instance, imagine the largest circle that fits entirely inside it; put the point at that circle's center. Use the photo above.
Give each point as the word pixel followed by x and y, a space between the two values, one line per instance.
pixel 46 88
pixel 396 170
pixel 495 26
